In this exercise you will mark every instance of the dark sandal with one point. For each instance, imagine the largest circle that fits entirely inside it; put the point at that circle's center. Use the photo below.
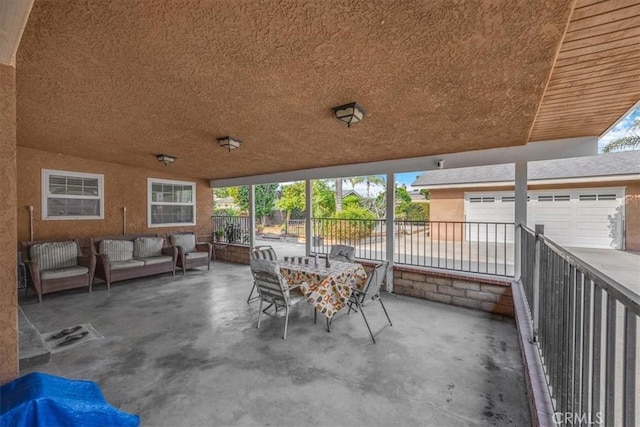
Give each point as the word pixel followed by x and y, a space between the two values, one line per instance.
pixel 65 332
pixel 73 338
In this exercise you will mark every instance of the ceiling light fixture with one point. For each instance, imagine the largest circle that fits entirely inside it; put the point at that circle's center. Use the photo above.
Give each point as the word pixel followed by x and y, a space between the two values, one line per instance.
pixel 165 158
pixel 229 142
pixel 349 113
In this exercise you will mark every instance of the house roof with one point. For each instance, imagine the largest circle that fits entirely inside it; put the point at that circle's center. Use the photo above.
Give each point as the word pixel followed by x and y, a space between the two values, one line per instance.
pixel 121 81
pixel 351 193
pixel 611 164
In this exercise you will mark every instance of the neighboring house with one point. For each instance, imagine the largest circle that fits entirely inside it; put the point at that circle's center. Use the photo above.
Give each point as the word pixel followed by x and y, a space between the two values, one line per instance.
pixel 224 203
pixel 416 197
pixel 591 202
pixel 351 193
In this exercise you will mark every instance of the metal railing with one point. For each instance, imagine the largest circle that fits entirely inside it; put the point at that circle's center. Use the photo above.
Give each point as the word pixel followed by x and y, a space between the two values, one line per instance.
pixel 585 328
pixel 366 235
pixel 231 229
pixel 294 227
pixel 477 247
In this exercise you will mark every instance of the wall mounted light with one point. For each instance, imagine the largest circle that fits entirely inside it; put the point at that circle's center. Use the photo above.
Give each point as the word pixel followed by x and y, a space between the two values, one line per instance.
pixel 349 113
pixel 165 158
pixel 229 142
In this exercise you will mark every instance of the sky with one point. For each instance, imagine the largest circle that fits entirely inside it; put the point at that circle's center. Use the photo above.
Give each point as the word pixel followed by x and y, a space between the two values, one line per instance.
pixel 620 129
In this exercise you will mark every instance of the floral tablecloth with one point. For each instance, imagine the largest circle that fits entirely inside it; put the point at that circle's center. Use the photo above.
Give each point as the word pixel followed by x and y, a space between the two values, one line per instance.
pixel 327 289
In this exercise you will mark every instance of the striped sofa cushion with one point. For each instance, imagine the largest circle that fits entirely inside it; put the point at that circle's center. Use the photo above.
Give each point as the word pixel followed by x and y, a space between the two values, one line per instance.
pixel 147 247
pixel 187 241
pixel 52 255
pixel 117 250
pixel 267 253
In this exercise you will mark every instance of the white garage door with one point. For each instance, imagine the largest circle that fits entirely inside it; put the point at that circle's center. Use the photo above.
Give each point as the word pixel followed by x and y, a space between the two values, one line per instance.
pixel 587 218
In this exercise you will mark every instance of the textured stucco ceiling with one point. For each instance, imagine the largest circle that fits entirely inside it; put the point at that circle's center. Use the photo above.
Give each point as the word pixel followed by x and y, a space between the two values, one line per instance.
pixel 122 80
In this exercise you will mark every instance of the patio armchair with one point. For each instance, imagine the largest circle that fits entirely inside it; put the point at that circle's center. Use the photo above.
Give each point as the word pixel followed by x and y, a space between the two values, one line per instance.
pixel 191 254
pixel 261 252
pixel 57 265
pixel 370 292
pixel 273 288
pixel 342 253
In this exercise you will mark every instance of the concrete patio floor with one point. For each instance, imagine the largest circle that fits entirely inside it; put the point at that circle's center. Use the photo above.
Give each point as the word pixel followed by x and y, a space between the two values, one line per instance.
pixel 185 351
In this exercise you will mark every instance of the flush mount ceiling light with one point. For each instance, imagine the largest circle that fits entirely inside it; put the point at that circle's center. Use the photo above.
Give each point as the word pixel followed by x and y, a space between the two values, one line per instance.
pixel 229 142
pixel 165 158
pixel 349 113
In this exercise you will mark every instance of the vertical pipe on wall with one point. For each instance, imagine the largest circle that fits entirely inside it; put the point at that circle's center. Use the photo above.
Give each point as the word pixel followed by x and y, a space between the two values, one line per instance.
pixel 30 223
pixel 252 216
pixel 124 220
pixel 308 207
pixel 520 214
pixel 391 207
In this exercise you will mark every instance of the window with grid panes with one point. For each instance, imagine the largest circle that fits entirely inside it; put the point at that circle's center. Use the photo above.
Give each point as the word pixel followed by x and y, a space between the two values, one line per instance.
pixel 72 195
pixel 171 203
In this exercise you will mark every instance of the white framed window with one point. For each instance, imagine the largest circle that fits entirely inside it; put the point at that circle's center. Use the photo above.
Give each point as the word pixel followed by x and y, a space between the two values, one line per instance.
pixel 72 195
pixel 170 203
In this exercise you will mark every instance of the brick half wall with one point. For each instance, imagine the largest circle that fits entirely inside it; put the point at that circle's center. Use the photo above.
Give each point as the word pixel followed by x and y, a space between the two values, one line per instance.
pixel 486 294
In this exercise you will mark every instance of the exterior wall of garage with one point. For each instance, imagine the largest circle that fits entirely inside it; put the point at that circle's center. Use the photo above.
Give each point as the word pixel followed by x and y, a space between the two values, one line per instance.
pixel 448 204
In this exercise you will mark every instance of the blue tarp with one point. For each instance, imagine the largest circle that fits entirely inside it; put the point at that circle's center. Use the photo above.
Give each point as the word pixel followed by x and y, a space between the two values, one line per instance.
pixel 39 399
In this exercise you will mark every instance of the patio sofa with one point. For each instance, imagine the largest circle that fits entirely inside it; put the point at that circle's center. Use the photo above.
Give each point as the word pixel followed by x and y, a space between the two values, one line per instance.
pixel 131 256
pixel 56 265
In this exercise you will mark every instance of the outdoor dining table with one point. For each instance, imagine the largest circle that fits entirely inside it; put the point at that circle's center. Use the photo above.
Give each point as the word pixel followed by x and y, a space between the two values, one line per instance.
pixel 326 288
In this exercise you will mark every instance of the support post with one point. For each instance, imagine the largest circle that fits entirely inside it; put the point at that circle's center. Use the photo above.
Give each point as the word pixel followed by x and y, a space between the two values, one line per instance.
pixel 520 215
pixel 535 309
pixel 308 207
pixel 390 228
pixel 252 216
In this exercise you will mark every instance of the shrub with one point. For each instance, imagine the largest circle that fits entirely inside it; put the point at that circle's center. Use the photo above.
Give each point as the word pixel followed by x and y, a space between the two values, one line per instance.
pixel 418 212
pixel 352 224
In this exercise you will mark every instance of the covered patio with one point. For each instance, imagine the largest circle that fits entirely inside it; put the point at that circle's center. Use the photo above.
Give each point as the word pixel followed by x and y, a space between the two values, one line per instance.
pixel 113 117
pixel 195 357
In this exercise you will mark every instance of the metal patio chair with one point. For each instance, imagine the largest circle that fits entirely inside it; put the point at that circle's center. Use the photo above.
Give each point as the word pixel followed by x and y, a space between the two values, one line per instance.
pixel 370 292
pixel 342 253
pixel 273 288
pixel 261 252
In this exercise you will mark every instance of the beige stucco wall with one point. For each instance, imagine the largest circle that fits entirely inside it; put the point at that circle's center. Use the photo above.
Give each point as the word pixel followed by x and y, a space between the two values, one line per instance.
pixel 448 204
pixel 123 187
pixel 8 287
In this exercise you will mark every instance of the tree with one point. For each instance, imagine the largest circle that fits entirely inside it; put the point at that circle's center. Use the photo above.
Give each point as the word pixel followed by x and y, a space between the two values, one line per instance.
pixel 425 193
pixel 265 200
pixel 324 200
pixel 369 179
pixel 293 197
pixel 403 200
pixel 338 194
pixel 221 193
pixel 630 141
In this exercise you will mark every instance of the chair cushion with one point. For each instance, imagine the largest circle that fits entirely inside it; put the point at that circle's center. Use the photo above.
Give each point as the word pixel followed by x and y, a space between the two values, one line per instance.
pixel 147 247
pixel 61 273
pixel 54 255
pixel 119 265
pixel 194 255
pixel 266 253
pixel 187 241
pixel 117 250
pixel 155 260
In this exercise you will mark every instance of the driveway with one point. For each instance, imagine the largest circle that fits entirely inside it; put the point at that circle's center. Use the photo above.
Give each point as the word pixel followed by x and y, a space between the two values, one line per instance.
pixel 623 267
